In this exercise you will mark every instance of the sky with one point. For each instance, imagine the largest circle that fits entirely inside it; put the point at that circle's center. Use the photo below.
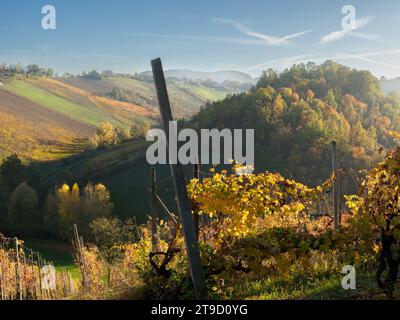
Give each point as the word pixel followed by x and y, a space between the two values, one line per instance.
pixel 244 35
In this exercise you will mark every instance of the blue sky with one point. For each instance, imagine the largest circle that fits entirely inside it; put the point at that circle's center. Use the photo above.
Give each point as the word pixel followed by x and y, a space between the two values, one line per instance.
pixel 204 35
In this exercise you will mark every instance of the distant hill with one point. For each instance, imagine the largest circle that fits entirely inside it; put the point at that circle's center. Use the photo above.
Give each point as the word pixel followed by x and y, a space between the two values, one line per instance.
pixel 389 85
pixel 297 113
pixel 45 119
pixel 186 98
pixel 218 76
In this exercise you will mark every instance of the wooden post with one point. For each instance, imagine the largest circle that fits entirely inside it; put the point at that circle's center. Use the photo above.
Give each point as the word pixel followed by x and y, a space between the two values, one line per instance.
pixel 184 208
pixel 154 231
pixel 341 192
pixel 2 277
pixel 196 175
pixel 24 287
pixel 335 188
pixel 40 276
pixel 80 256
pixel 17 270
pixel 33 272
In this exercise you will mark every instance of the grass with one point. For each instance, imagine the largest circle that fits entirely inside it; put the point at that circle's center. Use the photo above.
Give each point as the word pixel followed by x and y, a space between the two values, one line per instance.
pixel 55 103
pixel 60 253
pixel 317 287
pixel 204 93
pixel 186 99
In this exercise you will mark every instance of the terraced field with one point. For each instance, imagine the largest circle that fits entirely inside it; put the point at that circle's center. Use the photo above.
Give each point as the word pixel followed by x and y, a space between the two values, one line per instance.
pixel 45 119
pixel 186 99
pixel 77 103
pixel 35 132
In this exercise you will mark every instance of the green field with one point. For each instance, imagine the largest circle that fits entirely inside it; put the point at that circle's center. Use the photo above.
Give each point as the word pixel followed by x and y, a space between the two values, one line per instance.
pixel 58 252
pixel 57 104
pixel 186 99
pixel 203 92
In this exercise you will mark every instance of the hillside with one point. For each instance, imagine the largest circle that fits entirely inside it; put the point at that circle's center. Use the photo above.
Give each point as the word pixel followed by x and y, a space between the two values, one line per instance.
pixel 186 99
pixel 46 119
pixel 217 76
pixel 35 132
pixel 54 116
pixel 298 112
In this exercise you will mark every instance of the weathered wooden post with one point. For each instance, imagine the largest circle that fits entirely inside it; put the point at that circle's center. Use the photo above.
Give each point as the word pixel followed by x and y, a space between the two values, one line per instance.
pixel 179 183
pixel 196 175
pixel 33 272
pixel 342 181
pixel 40 276
pixel 2 277
pixel 79 255
pixel 153 222
pixel 335 188
pixel 17 270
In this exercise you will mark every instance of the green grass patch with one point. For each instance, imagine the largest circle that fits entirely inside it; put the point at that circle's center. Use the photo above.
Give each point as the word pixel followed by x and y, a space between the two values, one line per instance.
pixel 57 104
pixel 317 287
pixel 60 253
pixel 204 93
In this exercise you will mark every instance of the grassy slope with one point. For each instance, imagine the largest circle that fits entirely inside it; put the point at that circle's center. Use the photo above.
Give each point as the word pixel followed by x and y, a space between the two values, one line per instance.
pixel 55 103
pixel 77 104
pixel 318 287
pixel 34 132
pixel 204 93
pixel 186 99
pixel 43 119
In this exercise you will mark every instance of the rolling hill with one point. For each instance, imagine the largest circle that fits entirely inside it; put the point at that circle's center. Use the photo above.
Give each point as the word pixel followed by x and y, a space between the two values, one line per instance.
pixel 35 132
pixel 298 112
pixel 217 76
pixel 51 118
pixel 186 99
pixel 45 119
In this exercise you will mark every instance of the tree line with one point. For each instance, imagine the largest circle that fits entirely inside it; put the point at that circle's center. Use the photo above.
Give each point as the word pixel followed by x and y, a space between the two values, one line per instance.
pixel 298 112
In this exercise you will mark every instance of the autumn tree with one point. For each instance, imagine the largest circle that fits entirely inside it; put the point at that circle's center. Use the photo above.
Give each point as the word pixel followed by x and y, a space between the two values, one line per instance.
pixel 22 209
pixel 378 213
pixel 4 198
pixel 109 235
pixel 105 136
pixel 95 203
pixel 71 205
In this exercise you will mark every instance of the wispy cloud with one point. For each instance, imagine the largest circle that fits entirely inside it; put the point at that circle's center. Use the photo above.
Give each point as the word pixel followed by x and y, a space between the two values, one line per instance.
pixel 253 38
pixel 228 40
pixel 373 61
pixel 340 34
pixel 286 62
pixel 268 39
pixel 281 62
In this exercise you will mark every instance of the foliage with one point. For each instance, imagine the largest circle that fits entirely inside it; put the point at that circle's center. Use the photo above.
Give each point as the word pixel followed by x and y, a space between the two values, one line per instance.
pixel 108 135
pixel 22 212
pixel 379 214
pixel 298 112
pixel 18 201
pixel 22 280
pixel 69 206
pixel 109 235
pixel 92 75
pixel 260 226
pixel 14 172
pixel 241 199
